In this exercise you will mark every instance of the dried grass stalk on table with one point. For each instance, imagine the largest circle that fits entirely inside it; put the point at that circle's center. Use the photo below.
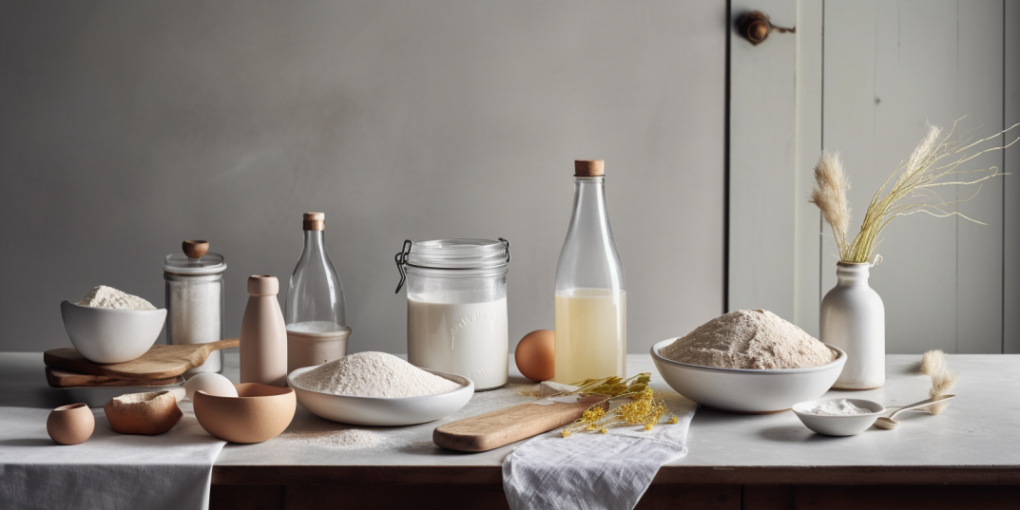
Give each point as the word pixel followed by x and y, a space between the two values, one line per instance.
pixel 933 364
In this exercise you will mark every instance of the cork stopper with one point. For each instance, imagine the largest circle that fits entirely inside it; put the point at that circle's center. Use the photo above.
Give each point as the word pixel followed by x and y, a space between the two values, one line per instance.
pixel 263 285
pixel 315 221
pixel 589 168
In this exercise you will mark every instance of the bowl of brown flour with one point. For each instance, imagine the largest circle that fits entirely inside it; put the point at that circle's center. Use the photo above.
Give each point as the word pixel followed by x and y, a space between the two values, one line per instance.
pixel 748 361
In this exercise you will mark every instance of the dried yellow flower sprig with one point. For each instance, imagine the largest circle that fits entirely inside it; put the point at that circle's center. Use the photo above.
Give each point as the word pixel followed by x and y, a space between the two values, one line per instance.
pixel 643 410
pixel 613 386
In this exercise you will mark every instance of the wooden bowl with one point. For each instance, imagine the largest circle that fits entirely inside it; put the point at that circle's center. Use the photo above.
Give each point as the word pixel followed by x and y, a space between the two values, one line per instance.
pixel 258 413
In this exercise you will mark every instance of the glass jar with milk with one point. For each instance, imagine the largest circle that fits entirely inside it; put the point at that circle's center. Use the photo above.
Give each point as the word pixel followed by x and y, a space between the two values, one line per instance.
pixel 315 311
pixel 456 307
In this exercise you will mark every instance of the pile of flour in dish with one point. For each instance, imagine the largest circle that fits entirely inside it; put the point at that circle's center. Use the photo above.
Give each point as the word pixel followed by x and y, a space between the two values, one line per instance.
pixel 841 407
pixel 756 339
pixel 373 374
pixel 109 297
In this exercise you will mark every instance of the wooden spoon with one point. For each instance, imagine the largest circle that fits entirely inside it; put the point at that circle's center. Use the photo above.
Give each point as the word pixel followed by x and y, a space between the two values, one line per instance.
pixel 889 423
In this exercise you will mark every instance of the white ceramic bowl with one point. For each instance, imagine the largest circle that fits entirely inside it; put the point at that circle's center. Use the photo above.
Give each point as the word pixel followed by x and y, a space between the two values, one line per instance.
pixel 384 412
pixel 747 390
pixel 105 335
pixel 848 425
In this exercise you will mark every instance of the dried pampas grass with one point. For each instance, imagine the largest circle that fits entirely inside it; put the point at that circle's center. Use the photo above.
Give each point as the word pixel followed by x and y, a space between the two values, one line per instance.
pixel 933 364
pixel 914 189
pixel 831 198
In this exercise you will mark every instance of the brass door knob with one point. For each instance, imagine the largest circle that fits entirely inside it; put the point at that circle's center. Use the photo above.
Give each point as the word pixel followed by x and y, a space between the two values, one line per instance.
pixel 756 27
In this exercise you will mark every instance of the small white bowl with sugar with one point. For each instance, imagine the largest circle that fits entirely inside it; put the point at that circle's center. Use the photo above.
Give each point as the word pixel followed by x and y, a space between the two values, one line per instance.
pixel 838 416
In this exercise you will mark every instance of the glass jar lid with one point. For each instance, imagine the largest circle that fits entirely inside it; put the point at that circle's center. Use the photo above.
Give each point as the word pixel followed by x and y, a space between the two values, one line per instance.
pixel 195 261
pixel 452 254
pixel 459 254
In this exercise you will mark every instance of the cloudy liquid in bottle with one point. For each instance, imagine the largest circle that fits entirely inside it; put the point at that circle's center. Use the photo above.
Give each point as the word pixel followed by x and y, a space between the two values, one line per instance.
pixel 591 334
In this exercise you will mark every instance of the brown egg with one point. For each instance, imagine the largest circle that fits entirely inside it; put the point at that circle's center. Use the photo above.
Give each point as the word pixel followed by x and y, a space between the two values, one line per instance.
pixel 70 424
pixel 536 355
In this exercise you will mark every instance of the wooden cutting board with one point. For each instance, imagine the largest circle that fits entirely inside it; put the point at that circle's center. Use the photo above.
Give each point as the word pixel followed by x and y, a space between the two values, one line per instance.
pixel 62 379
pixel 498 428
pixel 161 362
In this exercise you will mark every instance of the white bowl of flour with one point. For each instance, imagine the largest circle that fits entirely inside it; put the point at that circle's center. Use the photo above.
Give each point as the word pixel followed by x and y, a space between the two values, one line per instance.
pixel 745 390
pixel 379 389
pixel 110 326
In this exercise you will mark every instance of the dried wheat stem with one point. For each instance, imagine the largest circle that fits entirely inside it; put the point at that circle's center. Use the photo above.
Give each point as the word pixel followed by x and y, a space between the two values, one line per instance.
pixel 914 178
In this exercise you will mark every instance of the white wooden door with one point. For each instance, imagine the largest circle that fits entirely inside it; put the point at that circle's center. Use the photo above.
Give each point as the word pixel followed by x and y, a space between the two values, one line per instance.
pixel 864 78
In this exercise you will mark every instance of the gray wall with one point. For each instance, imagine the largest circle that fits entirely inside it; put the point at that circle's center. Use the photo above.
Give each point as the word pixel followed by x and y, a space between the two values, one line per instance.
pixel 127 127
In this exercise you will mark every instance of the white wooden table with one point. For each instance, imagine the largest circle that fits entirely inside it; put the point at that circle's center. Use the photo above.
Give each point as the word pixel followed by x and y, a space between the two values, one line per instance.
pixel 735 461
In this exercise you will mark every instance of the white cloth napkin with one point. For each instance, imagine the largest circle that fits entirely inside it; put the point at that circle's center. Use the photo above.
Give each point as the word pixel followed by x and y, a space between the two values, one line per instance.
pixel 170 471
pixel 591 470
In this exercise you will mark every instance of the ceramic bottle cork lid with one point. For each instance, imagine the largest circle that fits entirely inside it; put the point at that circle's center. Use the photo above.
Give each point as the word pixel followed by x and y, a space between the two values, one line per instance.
pixel 263 285
pixel 314 221
pixel 589 168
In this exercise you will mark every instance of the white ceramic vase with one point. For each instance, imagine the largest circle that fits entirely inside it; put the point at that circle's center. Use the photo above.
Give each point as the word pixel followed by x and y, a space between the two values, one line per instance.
pixel 853 319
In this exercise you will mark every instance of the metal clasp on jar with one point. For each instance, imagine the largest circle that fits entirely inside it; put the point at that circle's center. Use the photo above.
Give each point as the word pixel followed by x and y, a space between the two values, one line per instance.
pixel 405 251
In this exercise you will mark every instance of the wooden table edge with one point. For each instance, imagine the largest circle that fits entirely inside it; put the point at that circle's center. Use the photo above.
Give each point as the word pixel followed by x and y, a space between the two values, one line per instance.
pixel 679 475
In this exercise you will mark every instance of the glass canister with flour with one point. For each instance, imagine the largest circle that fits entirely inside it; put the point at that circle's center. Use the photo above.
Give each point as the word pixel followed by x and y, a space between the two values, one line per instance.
pixel 456 307
pixel 194 300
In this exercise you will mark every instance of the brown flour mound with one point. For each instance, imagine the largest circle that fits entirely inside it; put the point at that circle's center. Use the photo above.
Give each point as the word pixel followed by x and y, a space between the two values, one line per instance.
pixel 756 339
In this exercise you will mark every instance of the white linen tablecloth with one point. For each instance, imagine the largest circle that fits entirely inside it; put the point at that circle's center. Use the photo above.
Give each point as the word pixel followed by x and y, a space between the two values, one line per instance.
pixel 170 471
pixel 591 470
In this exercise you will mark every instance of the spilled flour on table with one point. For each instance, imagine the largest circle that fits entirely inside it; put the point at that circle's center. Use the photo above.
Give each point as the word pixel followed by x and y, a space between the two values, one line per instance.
pixel 346 439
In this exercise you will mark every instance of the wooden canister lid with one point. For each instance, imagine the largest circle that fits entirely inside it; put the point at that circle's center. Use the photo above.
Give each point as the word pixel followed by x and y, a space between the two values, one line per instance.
pixel 315 221
pixel 589 168
pixel 195 249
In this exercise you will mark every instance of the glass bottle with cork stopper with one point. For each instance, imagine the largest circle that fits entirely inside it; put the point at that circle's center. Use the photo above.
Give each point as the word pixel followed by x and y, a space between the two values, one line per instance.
pixel 591 297
pixel 317 331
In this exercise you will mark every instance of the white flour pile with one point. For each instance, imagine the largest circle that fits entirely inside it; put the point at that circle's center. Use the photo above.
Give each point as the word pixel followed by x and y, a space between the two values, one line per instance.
pixel 841 407
pixel 373 374
pixel 109 297
pixel 756 339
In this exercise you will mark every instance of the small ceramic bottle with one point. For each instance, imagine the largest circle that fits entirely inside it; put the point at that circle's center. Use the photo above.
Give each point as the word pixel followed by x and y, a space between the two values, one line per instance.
pixel 853 319
pixel 263 334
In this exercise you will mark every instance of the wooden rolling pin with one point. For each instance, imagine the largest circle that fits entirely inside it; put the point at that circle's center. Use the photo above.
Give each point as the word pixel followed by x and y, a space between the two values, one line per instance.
pixel 161 362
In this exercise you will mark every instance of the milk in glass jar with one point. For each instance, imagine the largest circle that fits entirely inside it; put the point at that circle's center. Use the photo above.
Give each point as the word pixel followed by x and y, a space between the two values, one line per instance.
pixel 456 307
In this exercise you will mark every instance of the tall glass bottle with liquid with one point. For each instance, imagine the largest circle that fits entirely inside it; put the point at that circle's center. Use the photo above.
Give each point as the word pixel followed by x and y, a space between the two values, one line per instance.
pixel 317 331
pixel 591 297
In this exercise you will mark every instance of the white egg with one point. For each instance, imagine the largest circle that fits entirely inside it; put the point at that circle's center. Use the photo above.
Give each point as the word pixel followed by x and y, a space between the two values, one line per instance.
pixel 211 383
